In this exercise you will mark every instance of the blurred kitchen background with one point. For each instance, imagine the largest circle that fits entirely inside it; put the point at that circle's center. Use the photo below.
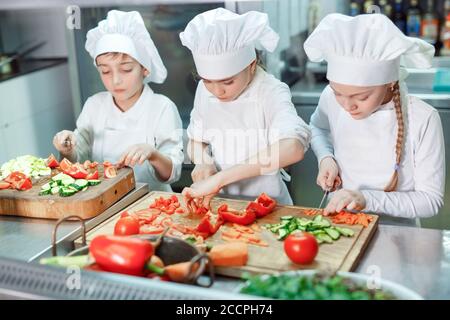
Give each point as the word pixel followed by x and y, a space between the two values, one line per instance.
pixel 46 75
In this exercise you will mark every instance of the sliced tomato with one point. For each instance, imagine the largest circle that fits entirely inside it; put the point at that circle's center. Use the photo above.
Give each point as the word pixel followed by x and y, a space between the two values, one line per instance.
pixel 25 184
pixel 15 176
pixel 87 164
pixel 52 162
pixel 65 164
pixel 149 229
pixel 93 165
pixel 110 172
pixel 4 185
pixel 107 164
pixel 92 176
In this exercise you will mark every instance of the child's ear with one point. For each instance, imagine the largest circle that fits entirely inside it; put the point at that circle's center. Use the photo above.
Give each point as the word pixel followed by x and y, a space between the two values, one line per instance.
pixel 146 72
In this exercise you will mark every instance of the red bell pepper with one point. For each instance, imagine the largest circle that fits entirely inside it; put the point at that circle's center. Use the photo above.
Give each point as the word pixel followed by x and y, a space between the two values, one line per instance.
pixel 210 223
pixel 124 255
pixel 262 206
pixel 234 216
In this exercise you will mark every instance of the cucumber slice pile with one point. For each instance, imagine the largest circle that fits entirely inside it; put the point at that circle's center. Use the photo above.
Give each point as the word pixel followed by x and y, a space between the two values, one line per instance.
pixel 66 186
pixel 320 227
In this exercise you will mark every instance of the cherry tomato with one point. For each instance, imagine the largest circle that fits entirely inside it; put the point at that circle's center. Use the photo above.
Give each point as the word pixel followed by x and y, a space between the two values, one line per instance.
pixel 92 176
pixel 126 226
pixel 301 247
pixel 65 164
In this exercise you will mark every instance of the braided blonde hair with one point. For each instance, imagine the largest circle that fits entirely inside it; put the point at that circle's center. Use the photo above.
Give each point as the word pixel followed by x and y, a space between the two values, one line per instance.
pixel 392 186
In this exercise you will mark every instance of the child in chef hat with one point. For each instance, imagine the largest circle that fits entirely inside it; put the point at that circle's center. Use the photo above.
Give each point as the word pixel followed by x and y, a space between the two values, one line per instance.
pixel 242 115
pixel 128 124
pixel 387 147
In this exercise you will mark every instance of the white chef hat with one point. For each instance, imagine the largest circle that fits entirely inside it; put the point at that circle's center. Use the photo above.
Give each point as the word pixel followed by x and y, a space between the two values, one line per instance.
pixel 366 50
pixel 125 32
pixel 223 43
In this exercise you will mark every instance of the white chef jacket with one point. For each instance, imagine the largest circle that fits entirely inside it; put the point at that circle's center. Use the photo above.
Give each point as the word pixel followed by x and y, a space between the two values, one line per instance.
pixel 104 133
pixel 365 153
pixel 262 115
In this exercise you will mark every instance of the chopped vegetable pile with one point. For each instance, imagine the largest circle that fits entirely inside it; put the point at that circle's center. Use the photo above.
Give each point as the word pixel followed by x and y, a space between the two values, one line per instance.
pixel 317 287
pixel 66 186
pixel 320 227
pixel 31 166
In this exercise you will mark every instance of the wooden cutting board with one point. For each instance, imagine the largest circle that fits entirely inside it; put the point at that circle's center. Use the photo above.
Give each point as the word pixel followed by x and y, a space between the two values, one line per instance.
pixel 342 255
pixel 86 204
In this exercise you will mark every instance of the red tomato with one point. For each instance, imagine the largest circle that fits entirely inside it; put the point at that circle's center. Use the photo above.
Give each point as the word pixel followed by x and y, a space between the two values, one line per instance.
pixel 301 247
pixel 65 164
pixel 92 176
pixel 4 185
pixel 107 164
pixel 93 165
pixel 110 172
pixel 15 177
pixel 126 226
pixel 52 162
pixel 25 184
pixel 87 164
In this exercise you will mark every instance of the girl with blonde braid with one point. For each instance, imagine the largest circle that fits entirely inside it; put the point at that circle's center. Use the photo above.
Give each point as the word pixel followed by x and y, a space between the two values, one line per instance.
pixel 380 149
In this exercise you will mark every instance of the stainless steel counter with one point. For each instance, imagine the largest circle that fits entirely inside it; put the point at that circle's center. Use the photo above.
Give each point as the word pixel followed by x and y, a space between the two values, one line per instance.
pixel 30 239
pixel 416 258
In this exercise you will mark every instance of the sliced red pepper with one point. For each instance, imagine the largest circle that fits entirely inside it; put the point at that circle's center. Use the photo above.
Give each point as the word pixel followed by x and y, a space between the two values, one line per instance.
pixel 52 162
pixel 243 218
pixel 149 229
pixel 65 165
pixel 210 223
pixel 124 255
pixel 262 206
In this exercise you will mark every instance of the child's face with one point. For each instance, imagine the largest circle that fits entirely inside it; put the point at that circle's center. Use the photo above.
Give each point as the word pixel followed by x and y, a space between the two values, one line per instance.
pixel 361 102
pixel 231 88
pixel 121 74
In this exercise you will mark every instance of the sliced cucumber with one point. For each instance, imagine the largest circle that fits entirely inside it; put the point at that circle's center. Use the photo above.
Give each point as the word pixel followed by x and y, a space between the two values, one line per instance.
pixel 81 183
pixel 55 190
pixel 53 184
pixel 324 238
pixel 345 231
pixel 286 218
pixel 334 234
pixel 60 176
pixel 67 181
pixel 44 192
pixel 93 182
pixel 85 188
pixel 282 233
pixel 66 192
pixel 46 187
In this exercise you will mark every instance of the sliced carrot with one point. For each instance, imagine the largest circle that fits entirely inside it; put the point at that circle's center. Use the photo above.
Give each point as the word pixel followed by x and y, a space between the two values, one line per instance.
pixel 231 233
pixel 179 272
pixel 229 254
pixel 255 227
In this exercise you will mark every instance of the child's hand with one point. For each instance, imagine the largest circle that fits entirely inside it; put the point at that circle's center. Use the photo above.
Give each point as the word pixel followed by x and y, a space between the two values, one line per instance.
pixel 136 154
pixel 328 177
pixel 65 142
pixel 345 199
pixel 203 171
pixel 206 188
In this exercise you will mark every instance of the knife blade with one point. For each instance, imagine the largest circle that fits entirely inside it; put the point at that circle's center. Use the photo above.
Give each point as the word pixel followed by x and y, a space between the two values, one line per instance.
pixel 325 194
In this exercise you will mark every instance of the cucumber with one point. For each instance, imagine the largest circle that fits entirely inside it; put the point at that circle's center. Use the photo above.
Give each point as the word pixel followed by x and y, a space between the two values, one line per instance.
pixel 318 218
pixel 282 233
pixel 334 234
pixel 60 176
pixel 55 190
pixel 345 231
pixel 67 181
pixel 53 184
pixel 85 188
pixel 44 192
pixel 74 186
pixel 81 183
pixel 292 226
pixel 279 226
pixel 93 182
pixel 46 187
pixel 66 192
pixel 325 238
pixel 287 218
